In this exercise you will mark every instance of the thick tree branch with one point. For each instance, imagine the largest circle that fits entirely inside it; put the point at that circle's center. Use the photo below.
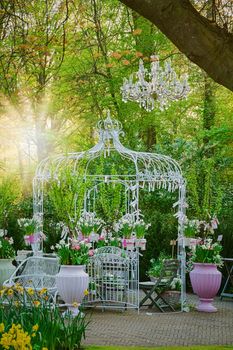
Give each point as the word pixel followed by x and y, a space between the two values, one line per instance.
pixel 201 40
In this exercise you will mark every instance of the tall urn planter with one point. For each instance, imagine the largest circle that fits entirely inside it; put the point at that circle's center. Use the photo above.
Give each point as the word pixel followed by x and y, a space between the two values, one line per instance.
pixel 206 281
pixel 72 281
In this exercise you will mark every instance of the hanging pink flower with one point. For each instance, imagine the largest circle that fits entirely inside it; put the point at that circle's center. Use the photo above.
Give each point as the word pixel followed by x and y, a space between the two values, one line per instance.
pixel 91 252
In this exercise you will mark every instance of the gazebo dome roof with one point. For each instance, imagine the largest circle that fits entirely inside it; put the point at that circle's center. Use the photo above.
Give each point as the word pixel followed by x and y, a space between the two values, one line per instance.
pixel 159 170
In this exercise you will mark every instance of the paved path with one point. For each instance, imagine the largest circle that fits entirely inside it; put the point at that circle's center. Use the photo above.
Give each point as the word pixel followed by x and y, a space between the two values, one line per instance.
pixel 156 329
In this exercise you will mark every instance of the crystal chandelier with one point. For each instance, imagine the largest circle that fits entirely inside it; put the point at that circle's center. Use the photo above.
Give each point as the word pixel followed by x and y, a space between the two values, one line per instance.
pixel 160 84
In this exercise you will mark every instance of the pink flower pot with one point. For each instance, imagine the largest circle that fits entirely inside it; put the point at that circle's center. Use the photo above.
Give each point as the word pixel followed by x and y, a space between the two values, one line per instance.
pixel 206 281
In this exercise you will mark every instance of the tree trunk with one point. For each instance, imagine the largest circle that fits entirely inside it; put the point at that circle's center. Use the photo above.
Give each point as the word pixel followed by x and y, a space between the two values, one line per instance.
pixel 201 40
pixel 151 137
pixel 209 104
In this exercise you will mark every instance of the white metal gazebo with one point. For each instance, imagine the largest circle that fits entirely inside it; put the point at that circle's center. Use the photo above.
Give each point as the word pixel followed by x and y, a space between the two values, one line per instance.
pixel 149 171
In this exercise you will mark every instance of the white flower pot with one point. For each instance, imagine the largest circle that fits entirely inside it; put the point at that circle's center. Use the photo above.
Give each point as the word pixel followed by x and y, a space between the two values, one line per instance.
pixel 141 243
pixel 35 247
pixel 71 283
pixel 190 242
pixel 6 269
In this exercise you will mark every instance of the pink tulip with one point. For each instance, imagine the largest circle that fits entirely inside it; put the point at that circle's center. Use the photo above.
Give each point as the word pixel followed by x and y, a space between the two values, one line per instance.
pixel 91 253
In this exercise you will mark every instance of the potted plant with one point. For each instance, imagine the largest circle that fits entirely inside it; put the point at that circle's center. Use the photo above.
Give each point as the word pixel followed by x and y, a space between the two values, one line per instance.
pixel 205 277
pixel 191 231
pixel 196 229
pixel 72 280
pixel 140 228
pixel 31 236
pixel 89 225
pixel 124 227
pixel 156 266
pixel 172 296
pixel 7 253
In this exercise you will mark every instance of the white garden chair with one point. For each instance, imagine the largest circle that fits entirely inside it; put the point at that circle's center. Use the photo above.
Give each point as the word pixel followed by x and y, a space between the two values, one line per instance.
pixel 36 272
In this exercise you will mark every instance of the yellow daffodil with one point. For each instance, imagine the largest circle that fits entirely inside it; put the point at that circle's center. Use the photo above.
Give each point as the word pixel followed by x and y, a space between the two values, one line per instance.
pixel 2 327
pixel 17 284
pixel 35 327
pixel 16 338
pixel 30 291
pixel 19 288
pixel 17 303
pixel 86 292
pixel 75 304
pixel 10 292
pixel 43 291
pixel 36 303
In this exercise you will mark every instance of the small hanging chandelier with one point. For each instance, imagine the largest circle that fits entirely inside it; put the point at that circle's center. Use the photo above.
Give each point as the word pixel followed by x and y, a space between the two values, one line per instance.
pixel 160 84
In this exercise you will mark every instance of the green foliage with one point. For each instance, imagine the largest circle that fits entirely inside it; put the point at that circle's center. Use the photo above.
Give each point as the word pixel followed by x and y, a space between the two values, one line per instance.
pixel 157 208
pixel 111 196
pixel 67 196
pixel 9 196
pixel 207 252
pixel 157 265
pixel 6 249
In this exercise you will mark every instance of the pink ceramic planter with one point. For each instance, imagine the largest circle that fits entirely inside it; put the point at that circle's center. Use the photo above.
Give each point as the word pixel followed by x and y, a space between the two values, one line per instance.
pixel 206 281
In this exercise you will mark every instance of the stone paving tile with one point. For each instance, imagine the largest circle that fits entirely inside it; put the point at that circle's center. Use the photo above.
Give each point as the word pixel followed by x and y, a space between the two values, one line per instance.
pixel 157 329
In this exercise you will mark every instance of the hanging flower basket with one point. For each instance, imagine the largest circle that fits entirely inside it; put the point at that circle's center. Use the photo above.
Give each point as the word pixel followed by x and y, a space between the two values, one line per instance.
pixel 128 243
pixel 141 243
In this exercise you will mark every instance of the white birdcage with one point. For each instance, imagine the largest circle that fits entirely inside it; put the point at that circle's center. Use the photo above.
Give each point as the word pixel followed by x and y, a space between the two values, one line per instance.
pixel 141 170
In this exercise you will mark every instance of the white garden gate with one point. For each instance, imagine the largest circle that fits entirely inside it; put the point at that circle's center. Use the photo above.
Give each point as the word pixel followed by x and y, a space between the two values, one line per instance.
pixel 113 275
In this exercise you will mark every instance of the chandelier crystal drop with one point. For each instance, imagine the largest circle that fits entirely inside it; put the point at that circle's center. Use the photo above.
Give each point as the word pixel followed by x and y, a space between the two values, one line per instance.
pixel 160 84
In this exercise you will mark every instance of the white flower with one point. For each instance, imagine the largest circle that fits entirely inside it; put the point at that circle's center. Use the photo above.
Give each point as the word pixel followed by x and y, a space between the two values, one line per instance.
pixel 1 233
pixel 11 241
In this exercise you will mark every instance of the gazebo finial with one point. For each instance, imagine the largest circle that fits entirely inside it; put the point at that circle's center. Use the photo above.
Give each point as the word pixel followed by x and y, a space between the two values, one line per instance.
pixel 109 128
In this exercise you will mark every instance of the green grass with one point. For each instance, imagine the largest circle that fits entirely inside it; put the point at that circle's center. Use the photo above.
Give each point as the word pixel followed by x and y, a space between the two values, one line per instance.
pixel 207 347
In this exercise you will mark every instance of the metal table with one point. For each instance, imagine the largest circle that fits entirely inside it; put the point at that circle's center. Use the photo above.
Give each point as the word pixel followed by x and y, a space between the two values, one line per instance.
pixel 228 262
